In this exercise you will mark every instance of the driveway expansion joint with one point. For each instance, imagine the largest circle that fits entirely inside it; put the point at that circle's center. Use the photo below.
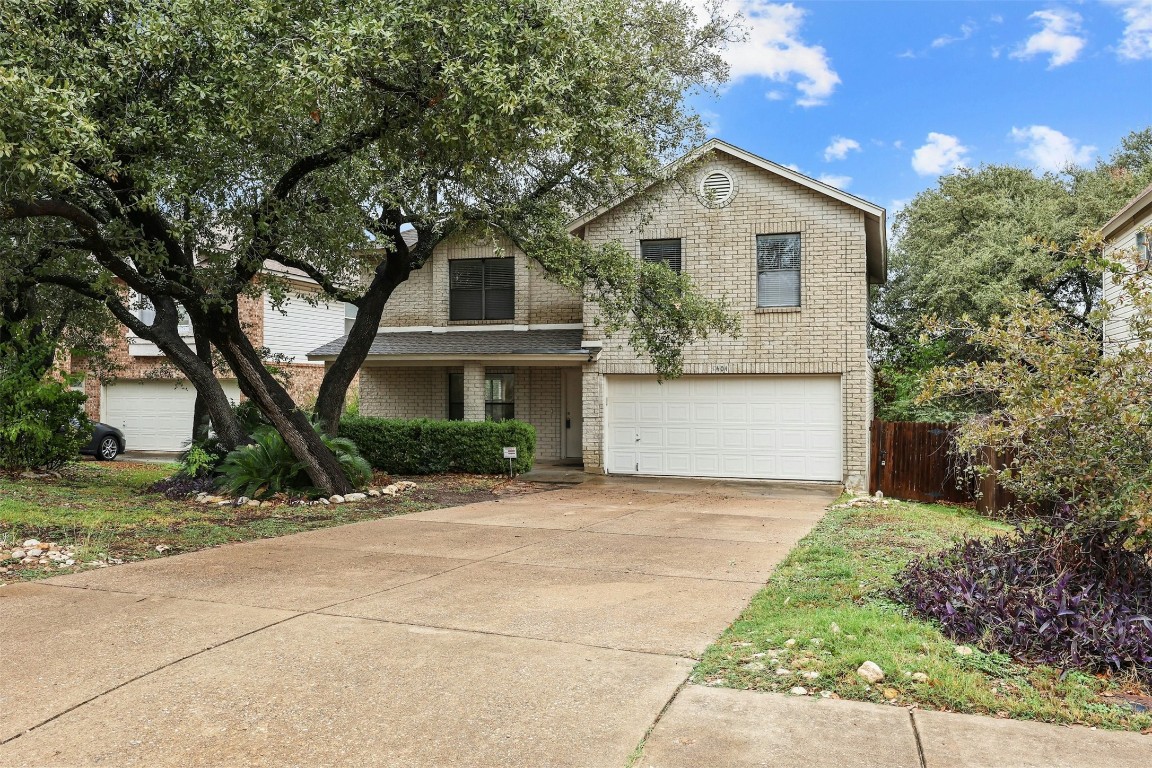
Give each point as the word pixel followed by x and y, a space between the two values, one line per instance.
pixel 916 734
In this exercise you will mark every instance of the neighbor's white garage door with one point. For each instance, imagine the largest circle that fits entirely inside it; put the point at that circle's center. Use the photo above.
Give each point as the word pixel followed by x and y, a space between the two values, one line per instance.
pixel 154 415
pixel 770 427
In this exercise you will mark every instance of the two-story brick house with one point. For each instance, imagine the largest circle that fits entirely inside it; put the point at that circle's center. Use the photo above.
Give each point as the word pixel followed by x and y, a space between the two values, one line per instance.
pixel 480 333
pixel 152 403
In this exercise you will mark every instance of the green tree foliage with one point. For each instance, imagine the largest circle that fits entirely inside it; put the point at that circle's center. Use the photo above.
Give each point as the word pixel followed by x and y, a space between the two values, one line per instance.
pixel 174 147
pixel 42 425
pixel 967 248
pixel 1078 423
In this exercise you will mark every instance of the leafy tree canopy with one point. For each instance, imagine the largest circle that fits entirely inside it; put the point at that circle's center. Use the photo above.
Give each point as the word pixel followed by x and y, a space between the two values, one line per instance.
pixel 173 147
pixel 968 246
pixel 979 242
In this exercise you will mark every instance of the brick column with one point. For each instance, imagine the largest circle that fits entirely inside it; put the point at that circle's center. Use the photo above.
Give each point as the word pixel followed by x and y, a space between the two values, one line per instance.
pixel 473 392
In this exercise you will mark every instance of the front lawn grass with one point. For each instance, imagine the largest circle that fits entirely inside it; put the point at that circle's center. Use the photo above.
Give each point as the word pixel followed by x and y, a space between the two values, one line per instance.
pixel 105 512
pixel 824 612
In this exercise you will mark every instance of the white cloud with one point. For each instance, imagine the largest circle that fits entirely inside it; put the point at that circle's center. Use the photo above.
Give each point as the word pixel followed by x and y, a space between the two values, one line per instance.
pixel 1136 40
pixel 1058 38
pixel 833 180
pixel 840 147
pixel 776 95
pixel 774 49
pixel 966 31
pixel 941 153
pixel 711 122
pixel 1050 150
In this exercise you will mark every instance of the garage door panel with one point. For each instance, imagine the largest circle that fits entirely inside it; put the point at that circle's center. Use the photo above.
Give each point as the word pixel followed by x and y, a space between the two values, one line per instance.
pixel 763 440
pixel 734 413
pixel 706 464
pixel 622 412
pixel 773 427
pixel 707 438
pixel 154 415
pixel 678 437
pixel 650 463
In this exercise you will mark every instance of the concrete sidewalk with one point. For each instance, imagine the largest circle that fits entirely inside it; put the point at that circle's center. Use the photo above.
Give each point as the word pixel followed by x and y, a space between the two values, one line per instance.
pixel 724 728
pixel 549 630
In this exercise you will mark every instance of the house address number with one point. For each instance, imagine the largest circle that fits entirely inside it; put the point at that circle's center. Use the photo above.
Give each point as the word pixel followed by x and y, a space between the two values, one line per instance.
pixel 719 368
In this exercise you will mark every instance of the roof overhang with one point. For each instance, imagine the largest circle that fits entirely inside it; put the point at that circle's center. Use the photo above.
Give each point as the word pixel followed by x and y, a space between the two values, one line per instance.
pixel 447 360
pixel 875 217
pixel 1136 210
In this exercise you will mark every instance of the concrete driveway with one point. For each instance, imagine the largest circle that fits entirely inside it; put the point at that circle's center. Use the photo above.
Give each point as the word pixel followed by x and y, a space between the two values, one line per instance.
pixel 547 630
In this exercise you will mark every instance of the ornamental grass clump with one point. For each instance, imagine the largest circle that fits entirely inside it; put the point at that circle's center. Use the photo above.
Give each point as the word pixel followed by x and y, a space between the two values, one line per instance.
pixel 1074 413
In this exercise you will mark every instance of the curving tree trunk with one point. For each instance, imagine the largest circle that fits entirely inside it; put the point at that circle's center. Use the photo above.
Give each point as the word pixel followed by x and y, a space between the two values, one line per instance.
pixel 277 405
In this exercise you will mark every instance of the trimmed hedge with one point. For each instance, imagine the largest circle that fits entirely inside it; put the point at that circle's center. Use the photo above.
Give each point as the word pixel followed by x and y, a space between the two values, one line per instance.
pixel 426 446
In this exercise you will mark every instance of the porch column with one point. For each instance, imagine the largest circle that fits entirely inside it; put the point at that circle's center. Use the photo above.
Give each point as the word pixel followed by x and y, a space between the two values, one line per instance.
pixel 473 392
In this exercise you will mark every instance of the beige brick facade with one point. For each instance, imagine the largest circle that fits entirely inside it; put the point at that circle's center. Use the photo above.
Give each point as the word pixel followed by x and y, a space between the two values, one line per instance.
pixel 423 299
pixel 826 335
pixel 422 393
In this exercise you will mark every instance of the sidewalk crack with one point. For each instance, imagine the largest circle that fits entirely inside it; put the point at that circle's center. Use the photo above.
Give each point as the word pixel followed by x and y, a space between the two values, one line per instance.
pixel 919 744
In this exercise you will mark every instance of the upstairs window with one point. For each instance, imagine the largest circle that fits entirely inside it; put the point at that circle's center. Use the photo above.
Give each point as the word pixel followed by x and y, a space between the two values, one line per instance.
pixel 145 312
pixel 665 252
pixel 481 289
pixel 778 270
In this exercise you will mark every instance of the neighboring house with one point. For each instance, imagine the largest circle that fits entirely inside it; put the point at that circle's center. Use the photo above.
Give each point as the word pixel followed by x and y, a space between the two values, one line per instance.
pixel 1125 237
pixel 480 333
pixel 151 401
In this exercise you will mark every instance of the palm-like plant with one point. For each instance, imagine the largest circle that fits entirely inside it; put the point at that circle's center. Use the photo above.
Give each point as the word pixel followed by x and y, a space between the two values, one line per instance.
pixel 267 466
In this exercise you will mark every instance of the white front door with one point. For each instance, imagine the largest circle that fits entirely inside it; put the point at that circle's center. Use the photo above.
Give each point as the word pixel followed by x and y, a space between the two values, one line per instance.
pixel 764 427
pixel 573 404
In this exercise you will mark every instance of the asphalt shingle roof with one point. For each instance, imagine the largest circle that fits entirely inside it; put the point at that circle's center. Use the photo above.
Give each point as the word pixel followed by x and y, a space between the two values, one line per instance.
pixel 547 342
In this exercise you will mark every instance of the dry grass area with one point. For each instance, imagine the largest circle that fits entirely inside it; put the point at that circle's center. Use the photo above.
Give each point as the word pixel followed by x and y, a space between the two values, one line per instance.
pixel 105 513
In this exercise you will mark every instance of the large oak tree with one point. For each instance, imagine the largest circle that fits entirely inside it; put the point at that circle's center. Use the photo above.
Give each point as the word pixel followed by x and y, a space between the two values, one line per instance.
pixel 168 149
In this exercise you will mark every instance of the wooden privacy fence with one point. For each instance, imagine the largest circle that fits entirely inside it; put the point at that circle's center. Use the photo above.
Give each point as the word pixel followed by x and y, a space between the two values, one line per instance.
pixel 918 461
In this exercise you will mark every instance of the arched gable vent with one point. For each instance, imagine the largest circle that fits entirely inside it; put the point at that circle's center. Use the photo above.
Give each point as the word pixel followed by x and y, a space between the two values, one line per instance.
pixel 716 188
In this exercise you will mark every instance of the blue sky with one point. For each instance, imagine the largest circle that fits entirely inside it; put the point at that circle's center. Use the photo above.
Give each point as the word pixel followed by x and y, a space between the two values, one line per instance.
pixel 880 98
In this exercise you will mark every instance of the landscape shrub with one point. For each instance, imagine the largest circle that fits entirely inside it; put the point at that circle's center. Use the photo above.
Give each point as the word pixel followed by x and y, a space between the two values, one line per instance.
pixel 1069 602
pixel 266 466
pixel 42 424
pixel 425 446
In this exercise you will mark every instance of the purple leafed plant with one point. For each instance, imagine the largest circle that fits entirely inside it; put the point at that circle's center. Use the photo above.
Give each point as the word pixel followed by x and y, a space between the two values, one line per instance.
pixel 181 486
pixel 1083 603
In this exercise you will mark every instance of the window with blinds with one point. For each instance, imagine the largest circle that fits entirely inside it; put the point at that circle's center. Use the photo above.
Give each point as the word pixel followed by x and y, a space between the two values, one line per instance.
pixel 665 252
pixel 499 396
pixel 481 289
pixel 778 270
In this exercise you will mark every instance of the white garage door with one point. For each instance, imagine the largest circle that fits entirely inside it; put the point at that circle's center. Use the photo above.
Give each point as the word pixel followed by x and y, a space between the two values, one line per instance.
pixel 770 427
pixel 154 415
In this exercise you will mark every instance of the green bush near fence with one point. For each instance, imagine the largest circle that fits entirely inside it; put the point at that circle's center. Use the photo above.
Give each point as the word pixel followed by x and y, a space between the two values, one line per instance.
pixel 425 446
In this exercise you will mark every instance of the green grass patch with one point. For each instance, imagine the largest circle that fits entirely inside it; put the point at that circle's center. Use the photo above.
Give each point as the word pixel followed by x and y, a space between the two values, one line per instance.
pixel 104 511
pixel 824 612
